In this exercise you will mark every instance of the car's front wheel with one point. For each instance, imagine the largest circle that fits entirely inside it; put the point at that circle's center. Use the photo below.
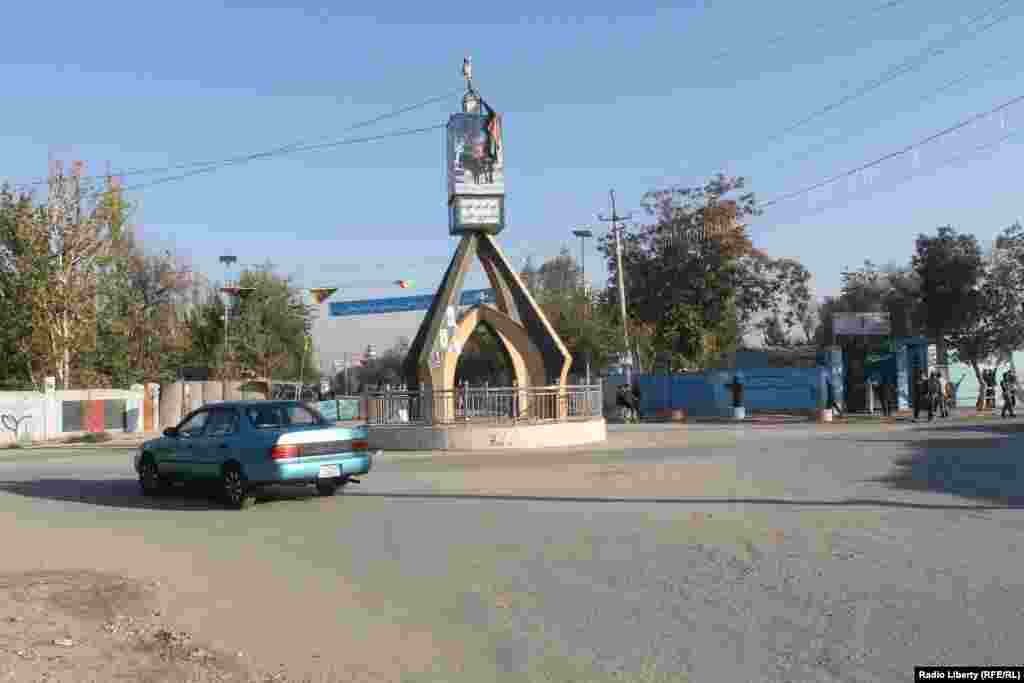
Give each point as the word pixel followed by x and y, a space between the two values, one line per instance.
pixel 234 488
pixel 150 481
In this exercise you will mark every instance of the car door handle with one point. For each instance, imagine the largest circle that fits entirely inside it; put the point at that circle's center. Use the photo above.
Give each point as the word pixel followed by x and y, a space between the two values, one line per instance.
pixel 223 445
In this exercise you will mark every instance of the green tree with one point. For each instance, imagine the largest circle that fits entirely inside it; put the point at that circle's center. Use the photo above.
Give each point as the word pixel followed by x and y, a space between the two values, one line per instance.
pixel 891 289
pixel 693 275
pixel 269 327
pixel 139 332
pixel 993 324
pixel 558 275
pixel 385 368
pixel 586 326
pixel 20 355
pixel 950 268
pixel 204 325
pixel 795 284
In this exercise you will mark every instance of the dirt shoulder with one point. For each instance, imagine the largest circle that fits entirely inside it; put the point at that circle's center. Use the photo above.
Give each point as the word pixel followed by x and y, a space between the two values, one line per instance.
pixel 84 626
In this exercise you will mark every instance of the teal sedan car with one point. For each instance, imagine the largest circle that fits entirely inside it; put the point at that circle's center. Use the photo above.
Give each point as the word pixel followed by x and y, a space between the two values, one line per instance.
pixel 245 445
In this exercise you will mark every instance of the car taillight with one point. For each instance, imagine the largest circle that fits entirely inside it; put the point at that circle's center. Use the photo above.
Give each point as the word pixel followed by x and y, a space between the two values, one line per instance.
pixel 283 452
pixel 360 445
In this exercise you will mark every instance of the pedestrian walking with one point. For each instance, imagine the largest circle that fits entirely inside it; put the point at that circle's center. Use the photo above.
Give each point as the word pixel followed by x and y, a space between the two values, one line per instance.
pixel 922 397
pixel 939 388
pixel 1009 393
pixel 990 390
pixel 831 398
pixel 885 398
pixel 624 400
pixel 1013 384
pixel 636 395
pixel 950 396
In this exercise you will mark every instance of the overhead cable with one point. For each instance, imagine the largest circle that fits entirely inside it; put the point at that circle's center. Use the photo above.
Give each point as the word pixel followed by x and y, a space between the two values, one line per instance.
pixel 294 146
pixel 892 155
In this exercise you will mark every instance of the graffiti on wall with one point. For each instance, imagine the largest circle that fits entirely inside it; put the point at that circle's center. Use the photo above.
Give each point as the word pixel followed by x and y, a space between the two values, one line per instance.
pixel 16 421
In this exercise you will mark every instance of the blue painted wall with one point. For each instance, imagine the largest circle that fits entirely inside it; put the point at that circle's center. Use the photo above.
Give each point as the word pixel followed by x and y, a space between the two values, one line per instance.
pixel 699 394
pixel 706 394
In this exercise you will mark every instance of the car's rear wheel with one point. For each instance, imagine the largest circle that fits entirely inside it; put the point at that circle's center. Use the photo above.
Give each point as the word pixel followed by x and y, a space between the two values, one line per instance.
pixel 150 481
pixel 328 487
pixel 235 489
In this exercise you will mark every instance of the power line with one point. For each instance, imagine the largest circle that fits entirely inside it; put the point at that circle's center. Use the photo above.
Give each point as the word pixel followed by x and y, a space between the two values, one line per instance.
pixel 282 151
pixel 892 155
pixel 817 28
pixel 277 150
pixel 993 144
pixel 909 65
pixel 929 96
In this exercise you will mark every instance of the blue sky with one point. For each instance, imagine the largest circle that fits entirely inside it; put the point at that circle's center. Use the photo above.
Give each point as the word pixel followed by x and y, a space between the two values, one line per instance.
pixel 631 96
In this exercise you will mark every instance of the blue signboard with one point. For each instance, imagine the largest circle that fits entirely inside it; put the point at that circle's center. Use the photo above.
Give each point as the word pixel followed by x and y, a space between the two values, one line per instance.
pixel 405 303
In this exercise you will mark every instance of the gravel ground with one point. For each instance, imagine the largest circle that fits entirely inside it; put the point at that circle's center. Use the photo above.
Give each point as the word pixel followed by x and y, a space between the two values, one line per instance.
pixel 666 555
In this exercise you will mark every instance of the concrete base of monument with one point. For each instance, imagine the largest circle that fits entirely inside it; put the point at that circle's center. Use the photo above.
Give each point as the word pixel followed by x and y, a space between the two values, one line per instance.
pixel 475 437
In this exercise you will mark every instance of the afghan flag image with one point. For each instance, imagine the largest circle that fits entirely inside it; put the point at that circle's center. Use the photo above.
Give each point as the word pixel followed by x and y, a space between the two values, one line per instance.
pixel 496 150
pixel 322 294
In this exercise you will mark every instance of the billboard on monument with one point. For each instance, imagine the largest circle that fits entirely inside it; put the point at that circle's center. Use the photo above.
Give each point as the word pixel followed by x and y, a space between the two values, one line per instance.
pixel 476 173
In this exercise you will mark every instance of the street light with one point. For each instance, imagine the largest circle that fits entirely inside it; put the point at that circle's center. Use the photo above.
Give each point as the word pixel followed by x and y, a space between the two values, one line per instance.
pixel 583 234
pixel 227 260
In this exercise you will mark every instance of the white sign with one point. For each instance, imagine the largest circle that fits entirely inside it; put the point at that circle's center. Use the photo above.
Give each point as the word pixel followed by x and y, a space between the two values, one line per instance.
pixel 442 337
pixel 477 211
pixel 449 317
pixel 861 323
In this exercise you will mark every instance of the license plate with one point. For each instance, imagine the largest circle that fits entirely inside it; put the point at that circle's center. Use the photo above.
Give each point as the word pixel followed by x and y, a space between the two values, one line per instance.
pixel 330 471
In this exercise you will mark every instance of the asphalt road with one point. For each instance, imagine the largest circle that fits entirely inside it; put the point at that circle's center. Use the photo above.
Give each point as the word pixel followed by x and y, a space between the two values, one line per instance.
pixel 668 554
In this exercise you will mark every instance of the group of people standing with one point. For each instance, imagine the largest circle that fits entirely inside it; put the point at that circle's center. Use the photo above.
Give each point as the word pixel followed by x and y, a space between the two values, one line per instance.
pixel 934 393
pixel 1007 386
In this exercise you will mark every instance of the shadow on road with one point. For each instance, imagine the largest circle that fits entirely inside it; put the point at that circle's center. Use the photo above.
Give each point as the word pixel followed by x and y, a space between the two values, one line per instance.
pixel 125 494
pixel 779 502
pixel 980 467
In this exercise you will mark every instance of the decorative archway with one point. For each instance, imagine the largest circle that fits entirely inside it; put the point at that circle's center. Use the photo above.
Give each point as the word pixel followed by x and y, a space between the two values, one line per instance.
pixel 526 366
pixel 519 322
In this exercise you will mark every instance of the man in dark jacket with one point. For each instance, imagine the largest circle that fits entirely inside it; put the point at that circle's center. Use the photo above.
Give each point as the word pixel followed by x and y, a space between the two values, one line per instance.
pixel 624 400
pixel 935 392
pixel 885 397
pixel 1009 395
pixel 922 397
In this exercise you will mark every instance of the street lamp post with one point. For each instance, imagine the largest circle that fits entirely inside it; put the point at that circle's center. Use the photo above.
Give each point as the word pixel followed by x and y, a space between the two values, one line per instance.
pixel 227 260
pixel 583 234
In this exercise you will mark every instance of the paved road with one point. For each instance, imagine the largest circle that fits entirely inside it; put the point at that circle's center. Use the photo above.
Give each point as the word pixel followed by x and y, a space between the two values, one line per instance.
pixel 667 554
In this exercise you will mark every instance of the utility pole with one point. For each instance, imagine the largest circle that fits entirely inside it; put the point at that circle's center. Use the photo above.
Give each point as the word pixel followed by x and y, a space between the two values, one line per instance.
pixel 615 219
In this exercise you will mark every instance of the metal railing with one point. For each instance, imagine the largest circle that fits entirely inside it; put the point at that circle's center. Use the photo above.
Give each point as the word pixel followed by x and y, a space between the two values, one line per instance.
pixel 471 405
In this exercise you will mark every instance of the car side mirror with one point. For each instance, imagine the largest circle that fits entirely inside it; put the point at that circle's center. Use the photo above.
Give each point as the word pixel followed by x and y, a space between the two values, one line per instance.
pixel 171 432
